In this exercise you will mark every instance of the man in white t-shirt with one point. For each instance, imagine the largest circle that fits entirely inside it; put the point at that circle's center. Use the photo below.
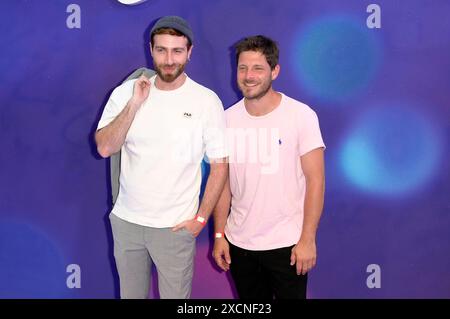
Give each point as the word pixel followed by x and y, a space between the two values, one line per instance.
pixel 163 126
pixel 276 183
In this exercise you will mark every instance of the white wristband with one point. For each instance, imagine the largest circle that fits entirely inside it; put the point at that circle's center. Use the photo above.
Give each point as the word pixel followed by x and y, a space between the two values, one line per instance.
pixel 200 219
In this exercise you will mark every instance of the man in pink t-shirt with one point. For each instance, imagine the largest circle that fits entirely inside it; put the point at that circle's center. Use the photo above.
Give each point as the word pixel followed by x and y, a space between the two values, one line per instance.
pixel 276 183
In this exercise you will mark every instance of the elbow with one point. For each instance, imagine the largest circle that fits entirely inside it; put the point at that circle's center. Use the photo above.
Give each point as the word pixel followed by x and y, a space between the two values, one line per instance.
pixel 103 151
pixel 316 181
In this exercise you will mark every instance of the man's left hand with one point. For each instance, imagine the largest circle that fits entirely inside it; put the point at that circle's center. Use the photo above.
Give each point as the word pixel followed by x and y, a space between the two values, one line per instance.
pixel 304 256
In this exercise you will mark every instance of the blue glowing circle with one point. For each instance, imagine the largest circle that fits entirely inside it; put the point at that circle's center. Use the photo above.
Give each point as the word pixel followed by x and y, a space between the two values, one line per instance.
pixel 30 264
pixel 391 151
pixel 335 57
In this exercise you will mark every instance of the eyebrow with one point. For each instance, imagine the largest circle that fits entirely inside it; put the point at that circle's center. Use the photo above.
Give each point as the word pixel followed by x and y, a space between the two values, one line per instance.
pixel 165 48
pixel 255 65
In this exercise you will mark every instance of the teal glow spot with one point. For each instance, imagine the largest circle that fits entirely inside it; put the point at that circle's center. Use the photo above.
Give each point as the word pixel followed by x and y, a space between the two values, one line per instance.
pixel 391 151
pixel 335 57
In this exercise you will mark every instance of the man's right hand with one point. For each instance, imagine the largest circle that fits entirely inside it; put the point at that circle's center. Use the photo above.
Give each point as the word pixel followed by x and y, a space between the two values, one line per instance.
pixel 140 91
pixel 221 253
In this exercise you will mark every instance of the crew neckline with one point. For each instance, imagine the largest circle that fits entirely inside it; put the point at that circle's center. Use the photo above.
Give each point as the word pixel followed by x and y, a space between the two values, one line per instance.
pixel 153 79
pixel 260 117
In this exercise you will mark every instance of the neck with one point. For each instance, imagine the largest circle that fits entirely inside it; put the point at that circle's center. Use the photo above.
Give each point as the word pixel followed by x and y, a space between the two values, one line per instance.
pixel 168 86
pixel 264 105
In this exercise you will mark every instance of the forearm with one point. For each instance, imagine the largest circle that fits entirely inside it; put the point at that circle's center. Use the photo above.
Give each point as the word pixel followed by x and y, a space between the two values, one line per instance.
pixel 111 138
pixel 222 208
pixel 214 186
pixel 314 199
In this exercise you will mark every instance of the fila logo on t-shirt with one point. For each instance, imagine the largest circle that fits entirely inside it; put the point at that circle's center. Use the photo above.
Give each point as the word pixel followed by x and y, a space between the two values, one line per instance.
pixel 188 115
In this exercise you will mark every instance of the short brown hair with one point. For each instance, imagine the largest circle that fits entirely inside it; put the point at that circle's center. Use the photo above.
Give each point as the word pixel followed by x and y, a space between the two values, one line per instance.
pixel 169 31
pixel 259 43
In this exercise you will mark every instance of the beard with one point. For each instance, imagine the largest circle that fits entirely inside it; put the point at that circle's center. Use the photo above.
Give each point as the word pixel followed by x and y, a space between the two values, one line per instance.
pixel 257 94
pixel 169 77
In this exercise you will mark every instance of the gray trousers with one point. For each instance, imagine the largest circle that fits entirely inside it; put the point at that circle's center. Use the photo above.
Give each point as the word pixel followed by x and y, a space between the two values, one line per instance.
pixel 136 247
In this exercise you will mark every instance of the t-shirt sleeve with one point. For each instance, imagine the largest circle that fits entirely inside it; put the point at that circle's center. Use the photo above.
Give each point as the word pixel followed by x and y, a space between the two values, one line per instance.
pixel 310 136
pixel 116 103
pixel 214 136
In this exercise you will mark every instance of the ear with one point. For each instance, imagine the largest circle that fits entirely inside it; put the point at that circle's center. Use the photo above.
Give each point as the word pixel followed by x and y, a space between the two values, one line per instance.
pixel 189 52
pixel 275 72
pixel 151 49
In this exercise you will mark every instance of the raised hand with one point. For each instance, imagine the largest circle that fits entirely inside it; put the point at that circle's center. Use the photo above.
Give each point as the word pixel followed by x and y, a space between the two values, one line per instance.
pixel 141 90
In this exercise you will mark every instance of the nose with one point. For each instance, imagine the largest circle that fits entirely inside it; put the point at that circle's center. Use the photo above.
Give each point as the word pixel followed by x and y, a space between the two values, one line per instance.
pixel 249 75
pixel 169 58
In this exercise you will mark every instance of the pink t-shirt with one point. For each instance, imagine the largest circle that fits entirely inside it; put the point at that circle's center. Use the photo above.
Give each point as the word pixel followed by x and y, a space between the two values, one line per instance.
pixel 266 177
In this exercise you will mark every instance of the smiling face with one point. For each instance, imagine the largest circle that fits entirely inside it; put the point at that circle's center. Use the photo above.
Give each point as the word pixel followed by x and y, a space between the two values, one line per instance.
pixel 170 55
pixel 254 74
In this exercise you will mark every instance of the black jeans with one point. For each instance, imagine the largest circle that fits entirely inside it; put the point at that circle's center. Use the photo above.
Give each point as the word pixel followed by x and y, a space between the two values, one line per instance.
pixel 266 274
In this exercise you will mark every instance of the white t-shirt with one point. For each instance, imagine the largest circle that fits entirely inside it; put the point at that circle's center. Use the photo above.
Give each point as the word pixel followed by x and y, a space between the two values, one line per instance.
pixel 161 158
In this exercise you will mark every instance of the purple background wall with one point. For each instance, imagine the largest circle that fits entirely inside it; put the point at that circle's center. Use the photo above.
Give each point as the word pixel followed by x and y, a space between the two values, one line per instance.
pixel 382 96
